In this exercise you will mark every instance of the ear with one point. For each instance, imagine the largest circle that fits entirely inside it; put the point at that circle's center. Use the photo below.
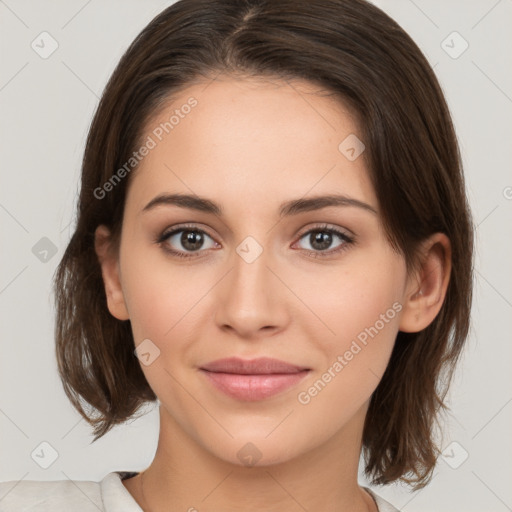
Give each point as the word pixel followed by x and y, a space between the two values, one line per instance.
pixel 426 288
pixel 110 271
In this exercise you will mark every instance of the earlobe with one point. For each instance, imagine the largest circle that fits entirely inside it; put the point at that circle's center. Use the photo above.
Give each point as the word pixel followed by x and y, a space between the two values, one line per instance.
pixel 110 272
pixel 426 290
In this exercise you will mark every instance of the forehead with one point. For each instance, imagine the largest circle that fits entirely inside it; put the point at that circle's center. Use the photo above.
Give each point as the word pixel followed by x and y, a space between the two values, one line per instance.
pixel 251 139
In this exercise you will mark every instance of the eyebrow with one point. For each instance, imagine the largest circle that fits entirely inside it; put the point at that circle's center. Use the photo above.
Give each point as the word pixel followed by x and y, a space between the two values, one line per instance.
pixel 287 208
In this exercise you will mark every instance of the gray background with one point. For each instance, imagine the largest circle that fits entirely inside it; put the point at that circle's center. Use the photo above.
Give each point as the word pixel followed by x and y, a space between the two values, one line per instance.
pixel 46 108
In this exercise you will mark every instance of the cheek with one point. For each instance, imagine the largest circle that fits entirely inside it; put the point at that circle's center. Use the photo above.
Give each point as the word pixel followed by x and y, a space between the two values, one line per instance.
pixel 348 301
pixel 360 311
pixel 164 303
pixel 160 296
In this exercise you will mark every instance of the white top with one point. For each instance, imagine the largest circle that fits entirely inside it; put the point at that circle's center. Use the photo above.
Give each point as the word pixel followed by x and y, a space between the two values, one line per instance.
pixel 109 495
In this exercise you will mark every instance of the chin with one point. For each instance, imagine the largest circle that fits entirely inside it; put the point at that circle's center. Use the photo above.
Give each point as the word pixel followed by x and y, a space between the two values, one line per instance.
pixel 256 451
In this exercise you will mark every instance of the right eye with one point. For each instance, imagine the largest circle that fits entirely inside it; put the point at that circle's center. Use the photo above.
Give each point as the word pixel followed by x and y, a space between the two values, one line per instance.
pixel 187 239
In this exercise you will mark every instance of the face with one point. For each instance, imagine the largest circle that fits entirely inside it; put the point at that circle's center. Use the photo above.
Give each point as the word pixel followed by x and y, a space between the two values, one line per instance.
pixel 316 285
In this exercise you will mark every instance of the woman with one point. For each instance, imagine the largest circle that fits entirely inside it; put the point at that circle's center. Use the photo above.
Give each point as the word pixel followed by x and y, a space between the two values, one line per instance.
pixel 273 241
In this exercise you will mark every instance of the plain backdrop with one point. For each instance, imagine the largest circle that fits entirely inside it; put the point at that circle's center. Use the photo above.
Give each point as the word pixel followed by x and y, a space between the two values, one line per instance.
pixel 46 108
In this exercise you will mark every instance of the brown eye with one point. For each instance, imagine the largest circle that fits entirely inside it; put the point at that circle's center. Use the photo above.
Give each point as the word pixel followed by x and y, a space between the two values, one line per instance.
pixel 322 239
pixel 184 242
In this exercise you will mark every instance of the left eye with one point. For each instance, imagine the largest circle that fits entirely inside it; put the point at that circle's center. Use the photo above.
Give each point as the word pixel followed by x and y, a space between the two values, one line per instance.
pixel 321 239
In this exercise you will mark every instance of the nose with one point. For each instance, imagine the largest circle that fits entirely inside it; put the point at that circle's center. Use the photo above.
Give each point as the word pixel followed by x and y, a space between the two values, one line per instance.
pixel 251 299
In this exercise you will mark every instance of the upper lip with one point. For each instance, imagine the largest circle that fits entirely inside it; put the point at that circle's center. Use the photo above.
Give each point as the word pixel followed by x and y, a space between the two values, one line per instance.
pixel 261 365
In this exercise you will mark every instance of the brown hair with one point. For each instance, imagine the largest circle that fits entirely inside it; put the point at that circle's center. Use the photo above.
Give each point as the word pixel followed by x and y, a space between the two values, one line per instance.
pixel 355 51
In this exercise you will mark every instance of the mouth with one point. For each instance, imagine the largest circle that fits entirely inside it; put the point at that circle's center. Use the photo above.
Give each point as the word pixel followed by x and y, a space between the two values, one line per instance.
pixel 252 380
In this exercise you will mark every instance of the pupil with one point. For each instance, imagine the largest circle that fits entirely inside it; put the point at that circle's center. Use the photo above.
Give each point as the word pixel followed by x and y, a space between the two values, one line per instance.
pixel 321 239
pixel 191 240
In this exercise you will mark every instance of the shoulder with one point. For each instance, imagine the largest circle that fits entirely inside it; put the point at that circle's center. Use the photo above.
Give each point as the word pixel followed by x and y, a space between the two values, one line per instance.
pixel 33 495
pixel 62 495
pixel 382 504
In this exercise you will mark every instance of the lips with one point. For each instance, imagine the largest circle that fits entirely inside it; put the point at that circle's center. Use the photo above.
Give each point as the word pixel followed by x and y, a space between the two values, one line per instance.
pixel 255 379
pixel 260 366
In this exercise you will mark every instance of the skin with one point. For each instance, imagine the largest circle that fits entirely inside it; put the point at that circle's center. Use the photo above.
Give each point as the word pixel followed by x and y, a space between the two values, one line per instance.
pixel 250 145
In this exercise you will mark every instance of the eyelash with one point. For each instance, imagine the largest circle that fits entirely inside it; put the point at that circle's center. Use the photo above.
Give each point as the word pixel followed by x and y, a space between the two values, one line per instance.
pixel 348 240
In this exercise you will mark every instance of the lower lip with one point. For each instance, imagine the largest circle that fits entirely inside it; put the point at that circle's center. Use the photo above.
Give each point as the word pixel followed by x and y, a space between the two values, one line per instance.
pixel 253 387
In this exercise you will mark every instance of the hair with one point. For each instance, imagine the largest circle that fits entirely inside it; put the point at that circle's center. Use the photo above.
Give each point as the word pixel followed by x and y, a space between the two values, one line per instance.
pixel 358 53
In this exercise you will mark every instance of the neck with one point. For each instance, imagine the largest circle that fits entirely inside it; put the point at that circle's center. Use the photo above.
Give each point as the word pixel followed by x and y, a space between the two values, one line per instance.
pixel 186 476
